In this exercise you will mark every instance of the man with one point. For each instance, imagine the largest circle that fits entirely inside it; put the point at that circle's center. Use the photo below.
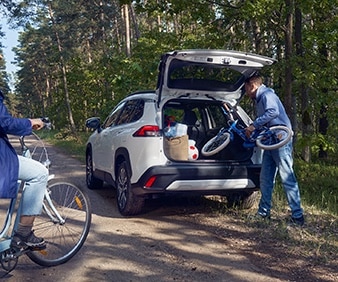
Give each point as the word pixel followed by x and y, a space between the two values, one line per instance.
pixel 270 111
pixel 14 167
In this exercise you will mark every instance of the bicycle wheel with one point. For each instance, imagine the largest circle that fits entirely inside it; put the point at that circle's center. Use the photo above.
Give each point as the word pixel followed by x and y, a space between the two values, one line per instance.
pixel 274 137
pixel 216 144
pixel 65 228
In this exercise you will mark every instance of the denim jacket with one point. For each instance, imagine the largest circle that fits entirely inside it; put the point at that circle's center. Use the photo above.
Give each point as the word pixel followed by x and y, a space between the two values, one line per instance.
pixel 9 165
pixel 270 110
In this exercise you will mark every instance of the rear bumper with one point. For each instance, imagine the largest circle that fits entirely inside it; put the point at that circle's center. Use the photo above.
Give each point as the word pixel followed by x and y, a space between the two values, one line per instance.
pixel 201 178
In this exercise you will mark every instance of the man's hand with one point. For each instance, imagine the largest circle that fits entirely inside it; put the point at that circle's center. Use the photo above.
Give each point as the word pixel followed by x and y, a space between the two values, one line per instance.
pixel 37 123
pixel 249 130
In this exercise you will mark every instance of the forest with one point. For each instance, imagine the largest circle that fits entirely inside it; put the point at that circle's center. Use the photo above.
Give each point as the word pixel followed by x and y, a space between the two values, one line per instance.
pixel 77 59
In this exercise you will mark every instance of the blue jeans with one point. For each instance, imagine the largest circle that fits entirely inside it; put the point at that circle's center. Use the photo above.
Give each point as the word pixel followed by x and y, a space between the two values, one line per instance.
pixel 35 175
pixel 279 160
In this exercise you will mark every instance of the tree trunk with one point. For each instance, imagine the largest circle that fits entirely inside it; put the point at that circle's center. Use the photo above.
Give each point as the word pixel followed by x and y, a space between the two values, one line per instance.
pixel 64 74
pixel 127 29
pixel 257 37
pixel 323 120
pixel 134 19
pixel 306 126
pixel 288 67
pixel 323 126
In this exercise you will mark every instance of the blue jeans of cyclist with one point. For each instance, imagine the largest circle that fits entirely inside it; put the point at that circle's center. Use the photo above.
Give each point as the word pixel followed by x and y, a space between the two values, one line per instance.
pixel 36 176
pixel 279 160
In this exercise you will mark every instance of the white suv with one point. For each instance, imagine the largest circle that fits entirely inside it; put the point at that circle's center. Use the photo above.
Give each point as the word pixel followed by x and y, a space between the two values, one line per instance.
pixel 150 144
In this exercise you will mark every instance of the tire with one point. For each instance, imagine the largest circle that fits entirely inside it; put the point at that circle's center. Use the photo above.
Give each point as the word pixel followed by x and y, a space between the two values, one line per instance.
pixel 216 144
pixel 128 203
pixel 242 200
pixel 91 181
pixel 269 140
pixel 64 239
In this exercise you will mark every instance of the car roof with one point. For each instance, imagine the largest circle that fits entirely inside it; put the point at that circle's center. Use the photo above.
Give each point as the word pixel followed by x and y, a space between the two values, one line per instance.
pixel 143 94
pixel 219 74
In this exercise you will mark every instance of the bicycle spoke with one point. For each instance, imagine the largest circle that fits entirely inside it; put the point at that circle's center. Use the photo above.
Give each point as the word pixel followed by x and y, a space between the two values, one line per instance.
pixel 274 137
pixel 65 236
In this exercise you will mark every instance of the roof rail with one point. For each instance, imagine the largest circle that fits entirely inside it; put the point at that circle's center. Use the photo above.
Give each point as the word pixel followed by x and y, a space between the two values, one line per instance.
pixel 141 92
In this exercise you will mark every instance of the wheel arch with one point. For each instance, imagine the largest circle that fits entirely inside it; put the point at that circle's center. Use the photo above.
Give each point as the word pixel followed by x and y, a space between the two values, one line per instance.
pixel 121 155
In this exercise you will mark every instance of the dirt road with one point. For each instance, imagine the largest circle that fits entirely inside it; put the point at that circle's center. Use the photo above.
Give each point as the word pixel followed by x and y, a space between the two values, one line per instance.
pixel 174 240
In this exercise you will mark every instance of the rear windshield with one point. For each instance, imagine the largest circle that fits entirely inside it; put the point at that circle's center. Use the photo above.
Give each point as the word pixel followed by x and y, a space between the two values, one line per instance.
pixel 187 75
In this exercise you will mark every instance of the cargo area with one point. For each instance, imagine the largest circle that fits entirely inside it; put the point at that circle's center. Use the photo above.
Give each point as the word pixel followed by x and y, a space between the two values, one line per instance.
pixel 189 124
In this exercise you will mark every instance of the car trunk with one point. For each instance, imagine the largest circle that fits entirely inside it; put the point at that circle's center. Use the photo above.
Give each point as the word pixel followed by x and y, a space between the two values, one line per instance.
pixel 189 124
pixel 192 87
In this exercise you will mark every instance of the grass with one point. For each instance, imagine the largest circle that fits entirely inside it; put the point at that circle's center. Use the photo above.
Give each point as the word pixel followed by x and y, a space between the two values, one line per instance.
pixel 317 241
pixel 283 246
pixel 318 185
pixel 315 245
pixel 74 147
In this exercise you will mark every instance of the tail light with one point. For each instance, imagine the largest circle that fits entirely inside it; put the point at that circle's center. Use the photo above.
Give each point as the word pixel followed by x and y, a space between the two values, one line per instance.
pixel 148 131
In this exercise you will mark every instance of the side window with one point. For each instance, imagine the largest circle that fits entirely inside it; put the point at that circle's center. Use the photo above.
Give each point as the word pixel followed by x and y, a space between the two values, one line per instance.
pixel 138 111
pixel 132 111
pixel 186 116
pixel 112 118
pixel 217 117
pixel 173 114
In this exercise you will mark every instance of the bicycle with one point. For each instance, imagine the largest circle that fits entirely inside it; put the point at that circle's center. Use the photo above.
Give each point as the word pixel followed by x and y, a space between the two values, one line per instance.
pixel 64 223
pixel 267 138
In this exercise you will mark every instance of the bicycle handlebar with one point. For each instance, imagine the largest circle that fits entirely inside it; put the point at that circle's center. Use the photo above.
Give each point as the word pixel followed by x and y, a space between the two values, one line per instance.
pixel 47 125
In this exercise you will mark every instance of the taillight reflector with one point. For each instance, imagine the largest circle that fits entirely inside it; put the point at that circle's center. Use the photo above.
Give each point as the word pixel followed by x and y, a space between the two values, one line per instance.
pixel 150 181
pixel 148 131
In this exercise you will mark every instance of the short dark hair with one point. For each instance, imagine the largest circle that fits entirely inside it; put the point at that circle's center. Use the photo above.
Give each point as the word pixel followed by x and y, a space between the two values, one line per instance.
pixel 256 78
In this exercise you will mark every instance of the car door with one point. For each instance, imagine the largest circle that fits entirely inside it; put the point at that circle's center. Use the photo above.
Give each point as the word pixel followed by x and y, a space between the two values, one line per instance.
pixel 118 131
pixel 103 154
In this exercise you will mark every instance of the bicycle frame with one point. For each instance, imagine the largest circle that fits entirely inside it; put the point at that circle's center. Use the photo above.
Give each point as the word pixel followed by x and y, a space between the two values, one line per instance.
pixel 57 218
pixel 5 240
pixel 9 256
pixel 248 142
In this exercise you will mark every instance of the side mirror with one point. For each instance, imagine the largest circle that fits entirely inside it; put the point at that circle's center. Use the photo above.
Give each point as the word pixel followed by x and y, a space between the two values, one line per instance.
pixel 93 123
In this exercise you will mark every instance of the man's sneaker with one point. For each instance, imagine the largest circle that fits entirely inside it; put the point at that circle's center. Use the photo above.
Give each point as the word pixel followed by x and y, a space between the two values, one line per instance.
pixel 29 241
pixel 262 215
pixel 298 221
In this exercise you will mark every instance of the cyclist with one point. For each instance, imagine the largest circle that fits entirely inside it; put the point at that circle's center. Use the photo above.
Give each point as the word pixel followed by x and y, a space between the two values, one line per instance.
pixel 270 111
pixel 14 167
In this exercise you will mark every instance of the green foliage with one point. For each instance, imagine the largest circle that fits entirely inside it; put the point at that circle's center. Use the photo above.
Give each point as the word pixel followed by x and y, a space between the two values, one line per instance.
pixel 89 42
pixel 316 143
pixel 318 184
pixel 4 86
